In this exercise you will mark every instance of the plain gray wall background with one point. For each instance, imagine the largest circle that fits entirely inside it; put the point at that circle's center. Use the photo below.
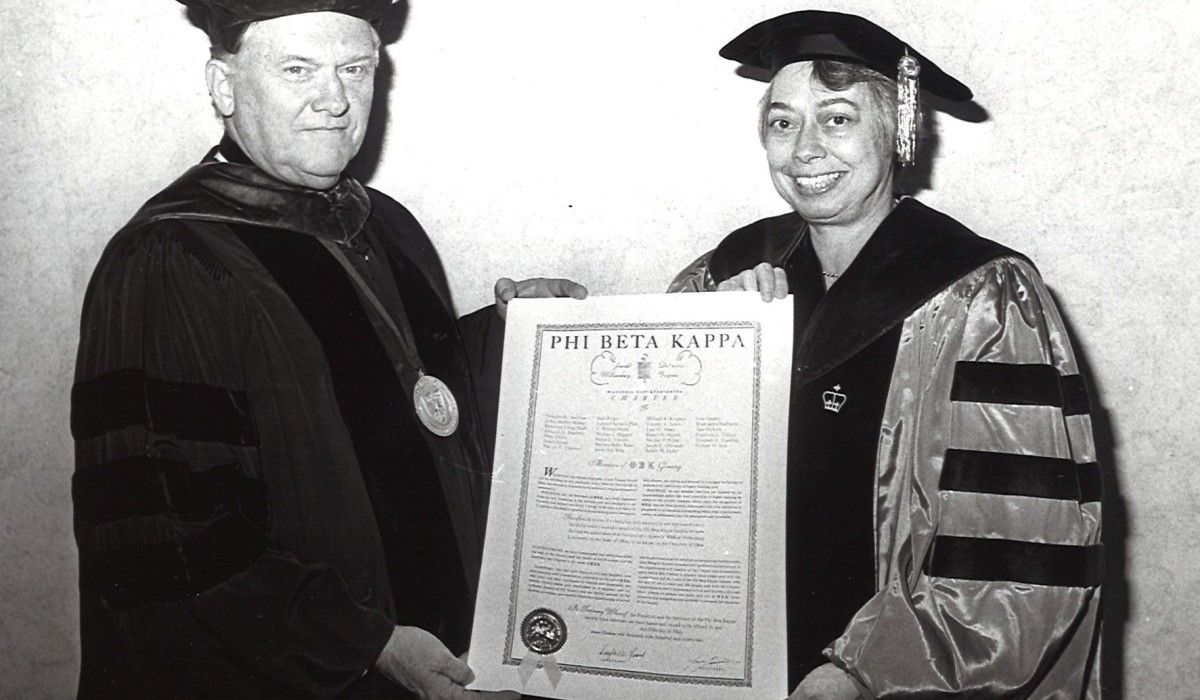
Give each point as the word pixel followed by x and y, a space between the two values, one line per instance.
pixel 608 142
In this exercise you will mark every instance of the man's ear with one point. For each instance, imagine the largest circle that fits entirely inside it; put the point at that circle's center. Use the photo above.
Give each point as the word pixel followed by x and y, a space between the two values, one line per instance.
pixel 219 75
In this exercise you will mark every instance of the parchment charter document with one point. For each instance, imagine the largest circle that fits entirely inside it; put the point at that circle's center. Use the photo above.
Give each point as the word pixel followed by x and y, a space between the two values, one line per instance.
pixel 635 538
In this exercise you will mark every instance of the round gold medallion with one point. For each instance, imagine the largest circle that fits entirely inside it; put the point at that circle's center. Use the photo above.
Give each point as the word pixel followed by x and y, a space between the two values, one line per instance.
pixel 435 405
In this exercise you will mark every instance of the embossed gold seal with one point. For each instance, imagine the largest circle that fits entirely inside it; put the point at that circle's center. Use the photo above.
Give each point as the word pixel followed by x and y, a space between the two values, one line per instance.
pixel 543 631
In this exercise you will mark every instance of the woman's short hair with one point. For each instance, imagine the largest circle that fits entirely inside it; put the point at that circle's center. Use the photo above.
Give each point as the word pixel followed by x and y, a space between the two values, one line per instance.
pixel 838 76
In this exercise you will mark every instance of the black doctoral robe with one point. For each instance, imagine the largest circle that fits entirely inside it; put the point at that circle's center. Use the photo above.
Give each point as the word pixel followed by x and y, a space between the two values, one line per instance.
pixel 256 504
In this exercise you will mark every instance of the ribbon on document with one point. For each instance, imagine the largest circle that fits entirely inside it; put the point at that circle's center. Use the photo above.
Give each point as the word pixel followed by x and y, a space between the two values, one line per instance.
pixel 533 661
pixel 543 632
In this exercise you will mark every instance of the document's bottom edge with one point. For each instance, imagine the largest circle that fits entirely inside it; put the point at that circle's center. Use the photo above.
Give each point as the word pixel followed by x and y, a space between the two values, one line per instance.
pixel 677 679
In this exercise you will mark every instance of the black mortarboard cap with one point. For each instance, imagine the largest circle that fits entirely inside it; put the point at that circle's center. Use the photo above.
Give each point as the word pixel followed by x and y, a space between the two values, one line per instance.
pixel 812 35
pixel 226 19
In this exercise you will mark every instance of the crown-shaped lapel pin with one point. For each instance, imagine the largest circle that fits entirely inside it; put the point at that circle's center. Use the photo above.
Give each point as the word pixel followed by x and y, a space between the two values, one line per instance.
pixel 834 399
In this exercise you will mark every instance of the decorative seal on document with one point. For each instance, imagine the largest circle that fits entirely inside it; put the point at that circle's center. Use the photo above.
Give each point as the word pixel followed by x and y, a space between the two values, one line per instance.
pixel 684 368
pixel 543 631
pixel 435 405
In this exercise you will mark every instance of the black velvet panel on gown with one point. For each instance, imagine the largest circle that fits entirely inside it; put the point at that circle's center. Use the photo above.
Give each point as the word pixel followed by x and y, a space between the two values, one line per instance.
pixel 424 567
pixel 831 479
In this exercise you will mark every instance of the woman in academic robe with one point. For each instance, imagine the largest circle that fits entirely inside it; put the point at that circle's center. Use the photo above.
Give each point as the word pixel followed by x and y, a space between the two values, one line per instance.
pixel 943 520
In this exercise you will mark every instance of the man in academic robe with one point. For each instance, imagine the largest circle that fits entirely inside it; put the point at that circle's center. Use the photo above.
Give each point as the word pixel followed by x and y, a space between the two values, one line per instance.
pixel 281 472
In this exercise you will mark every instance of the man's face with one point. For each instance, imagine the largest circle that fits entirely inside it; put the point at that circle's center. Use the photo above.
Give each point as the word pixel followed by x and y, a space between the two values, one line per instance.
pixel 298 94
pixel 829 155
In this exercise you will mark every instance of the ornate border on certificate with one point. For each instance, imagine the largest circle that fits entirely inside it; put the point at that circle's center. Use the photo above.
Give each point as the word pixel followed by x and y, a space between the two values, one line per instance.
pixel 514 616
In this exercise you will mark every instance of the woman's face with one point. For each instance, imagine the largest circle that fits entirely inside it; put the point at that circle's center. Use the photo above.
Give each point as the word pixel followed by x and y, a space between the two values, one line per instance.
pixel 829 152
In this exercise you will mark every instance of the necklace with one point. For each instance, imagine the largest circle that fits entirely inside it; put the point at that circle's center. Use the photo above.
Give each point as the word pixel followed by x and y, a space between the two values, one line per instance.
pixel 831 275
pixel 433 401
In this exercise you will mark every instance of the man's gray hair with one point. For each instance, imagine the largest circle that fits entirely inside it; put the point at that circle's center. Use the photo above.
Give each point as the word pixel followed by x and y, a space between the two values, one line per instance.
pixel 231 44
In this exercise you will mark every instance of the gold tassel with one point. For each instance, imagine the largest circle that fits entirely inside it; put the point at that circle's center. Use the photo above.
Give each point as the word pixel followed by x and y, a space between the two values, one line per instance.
pixel 908 111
